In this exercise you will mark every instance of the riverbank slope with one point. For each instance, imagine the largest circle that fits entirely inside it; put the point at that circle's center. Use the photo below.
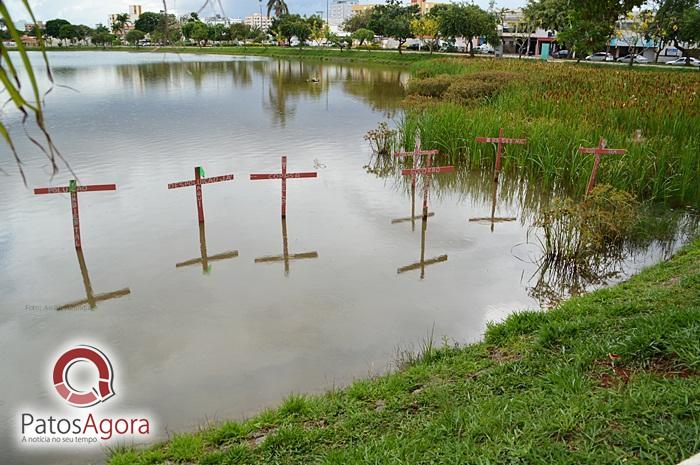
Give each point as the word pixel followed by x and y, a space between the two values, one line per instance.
pixel 609 377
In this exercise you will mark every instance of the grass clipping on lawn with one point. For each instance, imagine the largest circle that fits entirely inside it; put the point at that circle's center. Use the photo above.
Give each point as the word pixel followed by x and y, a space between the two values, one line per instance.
pixel 609 377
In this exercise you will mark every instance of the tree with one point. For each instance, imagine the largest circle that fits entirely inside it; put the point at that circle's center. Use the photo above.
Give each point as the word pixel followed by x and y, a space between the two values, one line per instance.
pixel 67 32
pixel 240 31
pixel 468 21
pixel 200 33
pixel 279 6
pixel 689 31
pixel 357 21
pixel 587 25
pixel 219 33
pixel 102 36
pixel 341 42
pixel 426 28
pixel 135 36
pixel 673 24
pixel 53 26
pixel 363 35
pixel 639 30
pixel 317 27
pixel 148 22
pixel 289 26
pixel 393 19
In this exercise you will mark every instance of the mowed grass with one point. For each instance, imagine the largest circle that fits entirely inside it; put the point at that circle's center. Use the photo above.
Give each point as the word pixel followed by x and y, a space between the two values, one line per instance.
pixel 652 113
pixel 607 378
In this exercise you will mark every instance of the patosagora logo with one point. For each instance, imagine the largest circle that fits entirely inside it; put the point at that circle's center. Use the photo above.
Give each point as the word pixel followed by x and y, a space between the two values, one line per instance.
pixel 91 424
pixel 101 390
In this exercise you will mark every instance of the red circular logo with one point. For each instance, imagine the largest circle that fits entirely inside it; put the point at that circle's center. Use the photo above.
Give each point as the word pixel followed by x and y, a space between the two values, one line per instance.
pixel 100 392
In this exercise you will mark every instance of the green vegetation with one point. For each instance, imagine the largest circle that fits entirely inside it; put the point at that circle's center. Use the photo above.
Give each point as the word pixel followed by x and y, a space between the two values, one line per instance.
pixel 607 378
pixel 652 114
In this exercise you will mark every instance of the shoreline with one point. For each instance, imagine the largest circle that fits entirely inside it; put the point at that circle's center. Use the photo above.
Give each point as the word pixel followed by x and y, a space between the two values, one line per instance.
pixel 606 377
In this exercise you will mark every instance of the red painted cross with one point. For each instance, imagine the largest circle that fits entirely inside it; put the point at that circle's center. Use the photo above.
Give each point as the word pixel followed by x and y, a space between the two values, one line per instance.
pixel 74 188
pixel 198 180
pixel 283 176
pixel 415 154
pixel 92 299
pixel 426 172
pixel 286 257
pixel 423 262
pixel 205 258
pixel 598 151
pixel 500 140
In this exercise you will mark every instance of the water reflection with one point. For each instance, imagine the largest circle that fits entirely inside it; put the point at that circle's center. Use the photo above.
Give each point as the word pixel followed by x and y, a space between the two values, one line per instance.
pixel 283 82
pixel 420 265
pixel 91 299
pixel 286 257
pixel 204 258
pixel 493 219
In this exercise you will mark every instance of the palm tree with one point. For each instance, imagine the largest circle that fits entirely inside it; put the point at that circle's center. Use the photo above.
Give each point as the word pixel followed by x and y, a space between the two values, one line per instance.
pixel 279 6
pixel 120 23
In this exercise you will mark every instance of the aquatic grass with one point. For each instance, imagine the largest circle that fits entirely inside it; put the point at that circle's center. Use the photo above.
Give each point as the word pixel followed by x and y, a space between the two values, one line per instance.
pixel 606 378
pixel 560 107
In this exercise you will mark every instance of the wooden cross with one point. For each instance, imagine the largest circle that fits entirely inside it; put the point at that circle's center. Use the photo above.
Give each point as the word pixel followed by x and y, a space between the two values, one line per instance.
pixel 426 172
pixel 414 155
pixel 598 151
pixel 500 140
pixel 74 188
pixel 204 257
pixel 198 180
pixel 423 262
pixel 493 219
pixel 286 257
pixel 283 176
pixel 91 299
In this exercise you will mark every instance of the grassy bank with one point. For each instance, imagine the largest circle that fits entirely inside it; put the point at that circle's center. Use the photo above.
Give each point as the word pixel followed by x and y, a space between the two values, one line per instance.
pixel 653 114
pixel 610 377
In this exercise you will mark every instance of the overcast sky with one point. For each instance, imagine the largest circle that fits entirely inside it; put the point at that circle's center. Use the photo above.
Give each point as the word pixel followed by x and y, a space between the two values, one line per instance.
pixel 91 12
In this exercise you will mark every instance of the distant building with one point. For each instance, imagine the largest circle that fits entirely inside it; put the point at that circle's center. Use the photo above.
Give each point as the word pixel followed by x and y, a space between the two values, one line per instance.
pixel 339 12
pixel 30 27
pixel 217 19
pixel 134 12
pixel 256 20
pixel 424 5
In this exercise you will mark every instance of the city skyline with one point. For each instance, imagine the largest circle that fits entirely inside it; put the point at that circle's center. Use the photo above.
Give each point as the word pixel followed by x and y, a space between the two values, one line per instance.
pixel 90 13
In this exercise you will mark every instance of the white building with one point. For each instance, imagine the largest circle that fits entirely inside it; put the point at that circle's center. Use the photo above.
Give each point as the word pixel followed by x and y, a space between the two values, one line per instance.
pixel 218 19
pixel 339 12
pixel 256 20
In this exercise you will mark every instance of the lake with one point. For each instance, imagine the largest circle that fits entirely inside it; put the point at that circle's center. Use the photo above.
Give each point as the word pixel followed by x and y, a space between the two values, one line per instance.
pixel 198 341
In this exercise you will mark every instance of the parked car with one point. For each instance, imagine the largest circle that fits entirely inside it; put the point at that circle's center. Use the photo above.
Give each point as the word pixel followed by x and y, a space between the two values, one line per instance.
pixel 635 57
pixel 682 62
pixel 561 54
pixel 485 48
pixel 600 56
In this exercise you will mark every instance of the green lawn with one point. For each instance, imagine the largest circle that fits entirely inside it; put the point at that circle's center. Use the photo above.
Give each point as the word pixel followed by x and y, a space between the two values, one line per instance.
pixel 610 377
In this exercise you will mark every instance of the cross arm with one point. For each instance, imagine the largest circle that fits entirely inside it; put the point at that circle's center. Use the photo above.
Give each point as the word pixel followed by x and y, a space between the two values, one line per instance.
pixel 428 170
pixel 419 265
pixel 501 140
pixel 601 151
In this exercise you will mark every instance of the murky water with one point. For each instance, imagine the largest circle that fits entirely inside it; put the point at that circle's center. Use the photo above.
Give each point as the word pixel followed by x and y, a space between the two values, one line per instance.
pixel 221 319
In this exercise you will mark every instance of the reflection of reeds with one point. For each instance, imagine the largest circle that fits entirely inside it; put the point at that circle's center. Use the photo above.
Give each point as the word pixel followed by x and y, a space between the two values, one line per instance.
pixel 561 107
pixel 586 244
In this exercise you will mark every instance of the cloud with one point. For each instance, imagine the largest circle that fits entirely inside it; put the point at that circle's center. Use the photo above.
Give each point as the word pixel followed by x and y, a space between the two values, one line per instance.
pixel 91 12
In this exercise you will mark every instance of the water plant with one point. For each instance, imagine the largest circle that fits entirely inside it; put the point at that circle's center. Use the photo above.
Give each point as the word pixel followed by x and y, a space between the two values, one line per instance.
pixel 654 115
